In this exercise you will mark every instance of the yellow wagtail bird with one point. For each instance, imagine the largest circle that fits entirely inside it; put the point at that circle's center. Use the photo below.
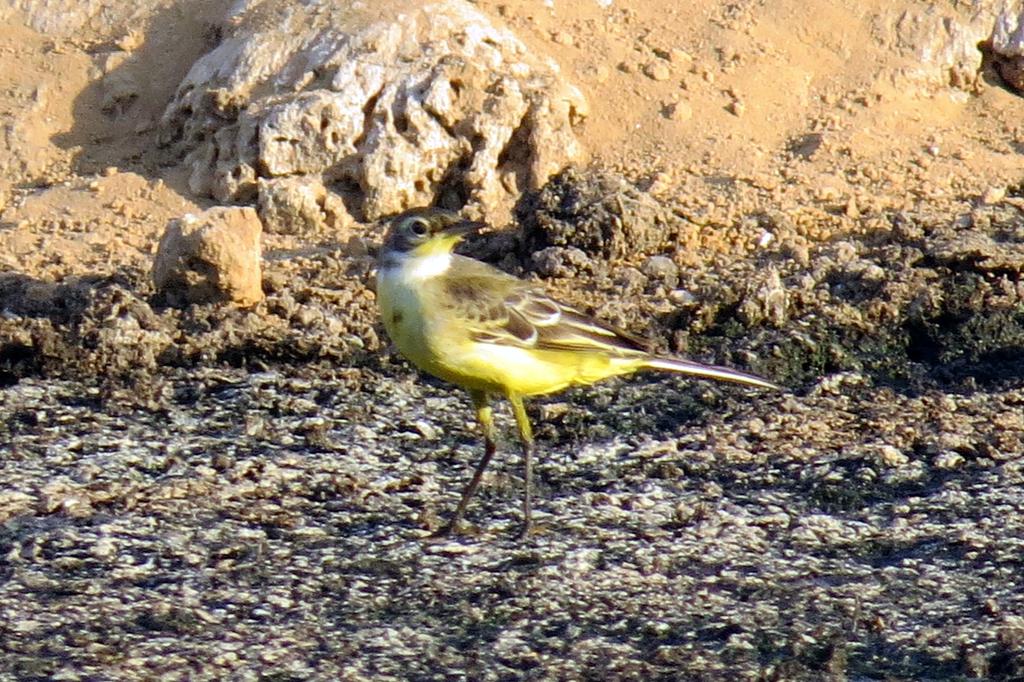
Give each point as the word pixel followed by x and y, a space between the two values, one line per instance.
pixel 475 326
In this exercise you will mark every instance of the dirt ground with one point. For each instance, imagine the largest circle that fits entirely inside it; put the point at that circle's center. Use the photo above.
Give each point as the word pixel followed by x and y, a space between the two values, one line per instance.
pixel 224 493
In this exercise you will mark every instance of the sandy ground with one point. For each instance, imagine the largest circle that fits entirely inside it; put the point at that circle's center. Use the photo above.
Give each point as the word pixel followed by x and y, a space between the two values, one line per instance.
pixel 216 493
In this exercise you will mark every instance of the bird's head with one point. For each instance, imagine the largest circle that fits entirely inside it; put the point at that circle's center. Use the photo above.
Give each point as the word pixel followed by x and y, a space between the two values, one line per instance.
pixel 423 232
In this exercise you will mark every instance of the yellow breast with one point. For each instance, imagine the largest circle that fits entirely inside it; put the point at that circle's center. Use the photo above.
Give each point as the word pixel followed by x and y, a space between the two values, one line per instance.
pixel 431 338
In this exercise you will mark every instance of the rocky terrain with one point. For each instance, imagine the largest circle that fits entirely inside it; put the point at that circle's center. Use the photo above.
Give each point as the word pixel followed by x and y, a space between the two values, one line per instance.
pixel 200 480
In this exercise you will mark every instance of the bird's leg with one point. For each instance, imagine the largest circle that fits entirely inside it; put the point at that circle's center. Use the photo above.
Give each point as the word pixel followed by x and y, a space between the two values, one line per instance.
pixel 526 435
pixel 486 419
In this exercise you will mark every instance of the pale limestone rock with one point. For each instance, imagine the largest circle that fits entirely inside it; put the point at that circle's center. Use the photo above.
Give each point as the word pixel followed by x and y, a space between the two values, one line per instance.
pixel 1007 45
pixel 64 19
pixel 118 84
pixel 300 205
pixel 939 44
pixel 212 257
pixel 394 103
pixel 1008 32
pixel 768 300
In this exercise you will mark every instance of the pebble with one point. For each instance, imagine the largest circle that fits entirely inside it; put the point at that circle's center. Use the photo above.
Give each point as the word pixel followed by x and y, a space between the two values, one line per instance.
pixel 657 70
pixel 677 55
pixel 661 268
pixel 679 111
pixel 425 429
pixel 682 297
pixel 993 195
pixel 104 548
pixel 892 456
pixel 949 460
pixel 563 38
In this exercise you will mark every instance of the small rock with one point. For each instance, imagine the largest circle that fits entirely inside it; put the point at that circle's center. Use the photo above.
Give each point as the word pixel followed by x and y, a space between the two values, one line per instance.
pixel 553 411
pixel 104 548
pixel 214 256
pixel 827 193
pixel 601 214
pixel 425 429
pixel 993 195
pixel 679 111
pixel 852 210
pixel 299 205
pixel 563 38
pixel 948 460
pixel 892 456
pixel 602 73
pixel 630 279
pixel 679 56
pixel 557 261
pixel 658 71
pixel 119 85
pixel 130 41
pixel 1011 70
pixel 77 506
pixel 800 253
pixel 356 247
pixel 681 297
pixel 1007 45
pixel 661 268
pixel 661 182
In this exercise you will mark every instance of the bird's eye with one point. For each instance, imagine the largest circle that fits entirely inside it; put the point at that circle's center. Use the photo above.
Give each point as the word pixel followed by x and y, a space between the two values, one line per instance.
pixel 418 227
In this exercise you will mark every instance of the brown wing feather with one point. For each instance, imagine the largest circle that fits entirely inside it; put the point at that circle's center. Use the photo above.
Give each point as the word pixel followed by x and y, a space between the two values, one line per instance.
pixel 498 308
pixel 502 309
pixel 577 331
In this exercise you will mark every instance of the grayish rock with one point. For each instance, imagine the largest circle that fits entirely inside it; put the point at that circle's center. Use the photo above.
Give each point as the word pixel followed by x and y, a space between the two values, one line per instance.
pixel 1008 32
pixel 399 105
pixel 1007 45
pixel 767 301
pixel 559 261
pixel 940 43
pixel 599 213
pixel 66 19
pixel 663 269
pixel 300 205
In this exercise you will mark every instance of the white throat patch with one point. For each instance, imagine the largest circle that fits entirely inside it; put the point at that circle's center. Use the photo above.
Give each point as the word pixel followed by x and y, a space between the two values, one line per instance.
pixel 426 267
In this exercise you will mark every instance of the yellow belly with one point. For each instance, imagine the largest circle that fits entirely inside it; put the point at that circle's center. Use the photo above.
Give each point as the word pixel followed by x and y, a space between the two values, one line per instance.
pixel 524 371
pixel 440 347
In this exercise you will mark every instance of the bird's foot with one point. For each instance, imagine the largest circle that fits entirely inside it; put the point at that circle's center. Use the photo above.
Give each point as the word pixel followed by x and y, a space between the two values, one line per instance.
pixel 454 527
pixel 525 530
pixel 446 531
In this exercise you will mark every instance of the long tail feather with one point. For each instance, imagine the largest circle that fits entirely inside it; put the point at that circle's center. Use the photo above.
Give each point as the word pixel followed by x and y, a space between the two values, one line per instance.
pixel 709 371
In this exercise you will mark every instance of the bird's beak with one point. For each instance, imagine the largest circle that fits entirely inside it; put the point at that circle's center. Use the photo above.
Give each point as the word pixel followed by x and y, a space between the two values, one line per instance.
pixel 462 229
